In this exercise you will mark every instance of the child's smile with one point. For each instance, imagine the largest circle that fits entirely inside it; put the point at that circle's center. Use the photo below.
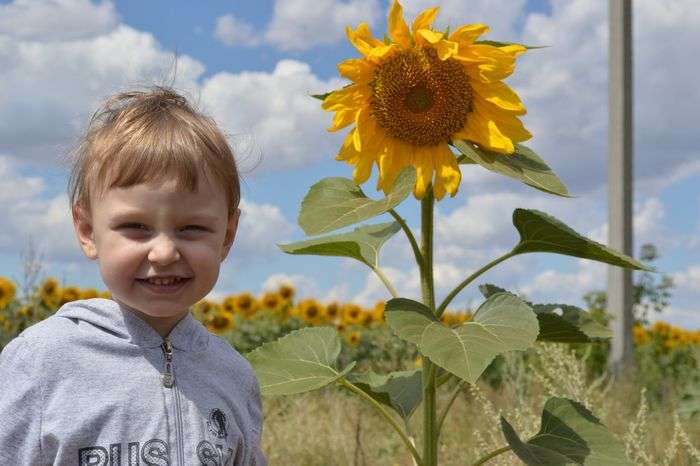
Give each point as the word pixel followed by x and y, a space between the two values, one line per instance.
pixel 160 248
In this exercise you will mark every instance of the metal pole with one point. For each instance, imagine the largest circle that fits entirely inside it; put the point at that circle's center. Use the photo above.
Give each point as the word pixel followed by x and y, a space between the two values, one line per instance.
pixel 620 181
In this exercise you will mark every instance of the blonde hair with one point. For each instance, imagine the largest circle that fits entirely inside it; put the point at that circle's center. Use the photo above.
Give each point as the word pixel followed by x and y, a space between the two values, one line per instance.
pixel 142 136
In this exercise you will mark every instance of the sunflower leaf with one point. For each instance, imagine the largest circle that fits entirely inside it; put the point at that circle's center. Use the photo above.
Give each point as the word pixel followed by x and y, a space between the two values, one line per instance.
pixel 540 232
pixel 402 391
pixel 300 361
pixel 363 243
pixel 505 44
pixel 337 202
pixel 524 165
pixel 569 434
pixel 502 323
pixel 560 323
pixel 321 96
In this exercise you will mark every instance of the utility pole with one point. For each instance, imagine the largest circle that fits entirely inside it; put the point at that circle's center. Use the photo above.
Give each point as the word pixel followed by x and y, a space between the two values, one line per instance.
pixel 620 145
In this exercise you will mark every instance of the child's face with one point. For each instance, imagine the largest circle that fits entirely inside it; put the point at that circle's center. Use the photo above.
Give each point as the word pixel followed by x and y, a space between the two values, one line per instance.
pixel 155 230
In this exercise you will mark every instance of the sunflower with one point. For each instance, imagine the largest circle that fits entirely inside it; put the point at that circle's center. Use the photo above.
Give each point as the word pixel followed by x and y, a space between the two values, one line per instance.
pixel 50 293
pixel 286 292
pixel 351 314
pixel 311 311
pixel 89 293
pixel 229 304
pixel 7 292
pixel 417 91
pixel 246 304
pixel 68 294
pixel 272 301
pixel 105 295
pixel 332 312
pixel 221 322
pixel 378 311
pixel 353 338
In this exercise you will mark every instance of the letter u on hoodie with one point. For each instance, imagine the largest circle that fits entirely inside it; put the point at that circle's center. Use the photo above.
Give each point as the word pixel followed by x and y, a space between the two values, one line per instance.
pixel 91 385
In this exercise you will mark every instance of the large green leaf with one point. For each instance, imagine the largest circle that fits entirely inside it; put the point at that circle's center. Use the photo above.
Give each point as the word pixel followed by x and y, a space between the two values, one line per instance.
pixel 560 323
pixel 402 391
pixel 363 243
pixel 502 323
pixel 524 165
pixel 540 232
pixel 337 202
pixel 300 361
pixel 570 434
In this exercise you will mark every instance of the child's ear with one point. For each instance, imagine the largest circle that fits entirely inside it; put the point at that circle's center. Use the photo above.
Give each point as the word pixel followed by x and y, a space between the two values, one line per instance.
pixel 84 230
pixel 231 228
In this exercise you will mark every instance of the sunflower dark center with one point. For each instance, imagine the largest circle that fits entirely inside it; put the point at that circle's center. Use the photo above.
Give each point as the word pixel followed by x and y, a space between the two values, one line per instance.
pixel 420 99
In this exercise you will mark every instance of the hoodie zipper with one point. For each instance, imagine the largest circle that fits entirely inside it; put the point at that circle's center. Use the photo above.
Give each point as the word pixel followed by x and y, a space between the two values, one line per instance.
pixel 168 379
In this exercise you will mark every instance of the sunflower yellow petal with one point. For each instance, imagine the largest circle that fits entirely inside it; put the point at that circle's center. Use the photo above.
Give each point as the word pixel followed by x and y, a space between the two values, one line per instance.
pixel 379 53
pixel 425 19
pixel 468 33
pixel 484 131
pixel 362 38
pixel 513 49
pixel 431 36
pixel 344 98
pixel 362 170
pixel 398 29
pixel 342 118
pixel 356 69
pixel 448 174
pixel 489 63
pixel 347 150
pixel 498 93
pixel 424 171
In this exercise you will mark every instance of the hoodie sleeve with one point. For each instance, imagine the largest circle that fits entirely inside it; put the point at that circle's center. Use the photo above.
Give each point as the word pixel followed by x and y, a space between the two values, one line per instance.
pixel 257 457
pixel 20 406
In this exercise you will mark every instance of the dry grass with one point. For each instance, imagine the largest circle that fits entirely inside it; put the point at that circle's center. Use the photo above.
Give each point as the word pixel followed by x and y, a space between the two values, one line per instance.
pixel 331 427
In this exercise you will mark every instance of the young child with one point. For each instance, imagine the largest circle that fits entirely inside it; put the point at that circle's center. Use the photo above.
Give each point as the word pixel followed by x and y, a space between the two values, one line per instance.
pixel 136 380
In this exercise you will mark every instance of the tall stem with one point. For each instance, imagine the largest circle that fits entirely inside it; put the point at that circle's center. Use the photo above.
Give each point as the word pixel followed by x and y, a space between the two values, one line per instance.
pixel 427 286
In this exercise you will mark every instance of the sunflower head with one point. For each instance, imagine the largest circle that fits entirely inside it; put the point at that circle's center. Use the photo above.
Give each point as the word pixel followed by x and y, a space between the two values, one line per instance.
pixel 7 292
pixel 411 95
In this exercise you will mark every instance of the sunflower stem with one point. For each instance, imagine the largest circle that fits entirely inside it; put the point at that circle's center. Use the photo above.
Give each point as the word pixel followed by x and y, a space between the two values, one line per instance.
pixel 430 454
pixel 470 279
pixel 416 456
pixel 411 238
pixel 386 281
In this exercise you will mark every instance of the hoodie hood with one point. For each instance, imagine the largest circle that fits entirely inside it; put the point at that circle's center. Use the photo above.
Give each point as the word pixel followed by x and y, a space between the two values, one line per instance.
pixel 116 320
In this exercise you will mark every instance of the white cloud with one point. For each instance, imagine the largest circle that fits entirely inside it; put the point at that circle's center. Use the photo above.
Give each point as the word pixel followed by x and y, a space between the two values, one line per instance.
pixel 303 24
pixel 56 86
pixel 57 20
pixel 259 228
pixel 234 31
pixel 688 280
pixel 276 109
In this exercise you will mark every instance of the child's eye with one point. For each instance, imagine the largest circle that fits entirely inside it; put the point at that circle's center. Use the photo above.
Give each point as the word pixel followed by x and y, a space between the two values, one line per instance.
pixel 198 227
pixel 132 225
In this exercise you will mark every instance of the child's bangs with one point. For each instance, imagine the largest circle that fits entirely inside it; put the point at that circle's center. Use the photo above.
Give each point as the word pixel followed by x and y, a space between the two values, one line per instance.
pixel 155 154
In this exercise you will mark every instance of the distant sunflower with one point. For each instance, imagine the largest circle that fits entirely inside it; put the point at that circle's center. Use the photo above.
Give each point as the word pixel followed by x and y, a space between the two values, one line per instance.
pixel 271 301
pixel 311 311
pixel 351 314
pixel 353 338
pixel 221 322
pixel 69 294
pixel 286 292
pixel 8 291
pixel 105 295
pixel 89 293
pixel 378 311
pixel 246 305
pixel 418 90
pixel 50 293
pixel 332 312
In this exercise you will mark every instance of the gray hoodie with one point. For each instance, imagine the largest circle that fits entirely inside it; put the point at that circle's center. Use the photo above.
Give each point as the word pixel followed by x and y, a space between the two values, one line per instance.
pixel 90 385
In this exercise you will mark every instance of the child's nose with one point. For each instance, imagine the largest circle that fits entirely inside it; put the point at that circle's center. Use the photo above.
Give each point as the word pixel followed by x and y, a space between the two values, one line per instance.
pixel 164 250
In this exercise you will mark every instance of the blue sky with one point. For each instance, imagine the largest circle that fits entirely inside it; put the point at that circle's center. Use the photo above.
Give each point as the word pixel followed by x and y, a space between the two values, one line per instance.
pixel 251 66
